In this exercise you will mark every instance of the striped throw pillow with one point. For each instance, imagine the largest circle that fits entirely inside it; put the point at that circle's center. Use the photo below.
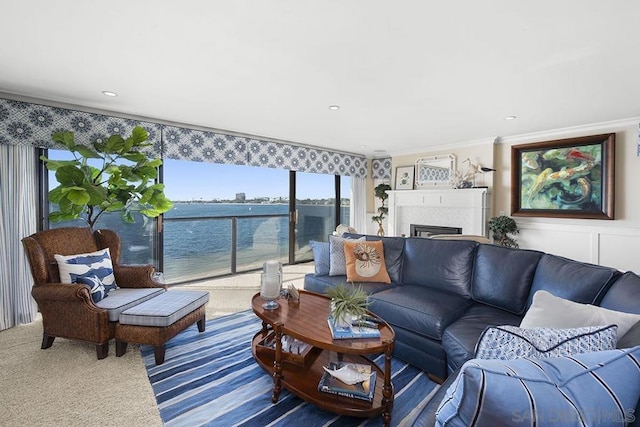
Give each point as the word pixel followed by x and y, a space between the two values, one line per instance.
pixel 599 388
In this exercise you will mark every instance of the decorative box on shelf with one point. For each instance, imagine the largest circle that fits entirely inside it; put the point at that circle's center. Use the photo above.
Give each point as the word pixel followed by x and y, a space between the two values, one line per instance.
pixel 293 350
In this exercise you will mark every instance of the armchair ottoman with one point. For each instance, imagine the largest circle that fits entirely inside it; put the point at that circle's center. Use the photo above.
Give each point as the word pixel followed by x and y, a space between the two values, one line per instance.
pixel 157 320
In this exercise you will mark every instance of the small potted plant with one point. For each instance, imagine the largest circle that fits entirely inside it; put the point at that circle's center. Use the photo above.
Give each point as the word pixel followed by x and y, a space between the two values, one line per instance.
pixel 502 226
pixel 347 303
pixel 381 193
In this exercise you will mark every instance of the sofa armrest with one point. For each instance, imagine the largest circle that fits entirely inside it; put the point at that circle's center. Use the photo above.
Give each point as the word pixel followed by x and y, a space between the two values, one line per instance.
pixel 136 276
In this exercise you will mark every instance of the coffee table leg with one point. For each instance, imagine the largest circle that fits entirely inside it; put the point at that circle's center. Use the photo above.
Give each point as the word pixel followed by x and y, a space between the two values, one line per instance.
pixel 387 389
pixel 277 364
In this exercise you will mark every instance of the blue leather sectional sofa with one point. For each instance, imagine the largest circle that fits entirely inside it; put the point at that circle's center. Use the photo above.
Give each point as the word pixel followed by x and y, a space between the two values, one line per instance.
pixel 444 293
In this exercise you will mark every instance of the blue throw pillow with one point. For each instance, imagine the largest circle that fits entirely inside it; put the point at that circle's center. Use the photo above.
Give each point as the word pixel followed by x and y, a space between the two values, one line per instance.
pixel 510 342
pixel 90 264
pixel 320 257
pixel 599 388
pixel 95 285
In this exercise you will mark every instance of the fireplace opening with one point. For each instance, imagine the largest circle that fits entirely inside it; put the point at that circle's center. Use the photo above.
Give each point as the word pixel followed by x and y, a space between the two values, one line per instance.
pixel 418 230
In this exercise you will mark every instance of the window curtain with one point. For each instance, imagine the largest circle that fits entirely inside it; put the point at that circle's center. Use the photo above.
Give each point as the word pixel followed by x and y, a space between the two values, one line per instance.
pixel 358 207
pixel 18 195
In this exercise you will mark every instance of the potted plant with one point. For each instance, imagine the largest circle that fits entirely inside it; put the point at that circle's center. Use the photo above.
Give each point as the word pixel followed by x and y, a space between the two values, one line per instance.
pixel 124 180
pixel 347 303
pixel 502 226
pixel 381 193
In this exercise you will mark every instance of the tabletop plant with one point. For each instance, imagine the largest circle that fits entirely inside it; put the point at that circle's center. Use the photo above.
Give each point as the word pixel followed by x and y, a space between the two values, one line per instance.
pixel 347 303
pixel 124 180
pixel 381 193
pixel 502 226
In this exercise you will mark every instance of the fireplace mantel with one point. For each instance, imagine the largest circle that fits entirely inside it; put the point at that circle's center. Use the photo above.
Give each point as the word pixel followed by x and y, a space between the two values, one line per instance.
pixel 467 208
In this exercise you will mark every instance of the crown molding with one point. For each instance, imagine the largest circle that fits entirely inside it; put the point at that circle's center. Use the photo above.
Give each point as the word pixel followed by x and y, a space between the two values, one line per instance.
pixel 482 141
pixel 568 131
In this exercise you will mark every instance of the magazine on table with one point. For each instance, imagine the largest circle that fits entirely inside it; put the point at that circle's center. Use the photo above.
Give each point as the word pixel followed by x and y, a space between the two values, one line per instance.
pixel 351 331
pixel 363 390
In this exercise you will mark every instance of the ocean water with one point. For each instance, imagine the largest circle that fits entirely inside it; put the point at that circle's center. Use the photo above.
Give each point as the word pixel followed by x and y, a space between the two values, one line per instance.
pixel 199 246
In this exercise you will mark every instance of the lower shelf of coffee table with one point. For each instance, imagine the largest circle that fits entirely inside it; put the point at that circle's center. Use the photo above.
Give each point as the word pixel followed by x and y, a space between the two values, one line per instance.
pixel 303 381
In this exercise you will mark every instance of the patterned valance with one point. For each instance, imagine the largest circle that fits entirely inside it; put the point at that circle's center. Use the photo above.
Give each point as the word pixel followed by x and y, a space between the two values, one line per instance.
pixel 201 146
pixel 23 123
pixel 381 168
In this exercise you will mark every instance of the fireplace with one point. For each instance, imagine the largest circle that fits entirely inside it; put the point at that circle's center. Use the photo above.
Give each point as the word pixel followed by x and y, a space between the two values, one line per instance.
pixel 419 230
pixel 465 210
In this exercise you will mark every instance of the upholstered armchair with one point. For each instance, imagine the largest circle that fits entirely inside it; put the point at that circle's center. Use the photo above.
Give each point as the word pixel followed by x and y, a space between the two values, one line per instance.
pixel 68 310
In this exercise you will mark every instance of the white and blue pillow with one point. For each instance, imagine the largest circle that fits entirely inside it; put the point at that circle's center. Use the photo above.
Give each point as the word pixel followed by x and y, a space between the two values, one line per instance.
pixel 337 258
pixel 84 265
pixel 599 388
pixel 95 285
pixel 510 342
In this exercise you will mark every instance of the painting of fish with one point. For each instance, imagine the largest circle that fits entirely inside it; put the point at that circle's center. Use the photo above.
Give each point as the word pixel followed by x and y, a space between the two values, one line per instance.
pixel 571 178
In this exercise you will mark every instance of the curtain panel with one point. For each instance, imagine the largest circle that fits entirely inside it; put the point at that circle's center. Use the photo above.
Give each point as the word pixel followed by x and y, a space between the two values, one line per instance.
pixel 18 196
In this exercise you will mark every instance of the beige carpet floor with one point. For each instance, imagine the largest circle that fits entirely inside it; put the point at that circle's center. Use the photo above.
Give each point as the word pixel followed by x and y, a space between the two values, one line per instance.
pixel 66 385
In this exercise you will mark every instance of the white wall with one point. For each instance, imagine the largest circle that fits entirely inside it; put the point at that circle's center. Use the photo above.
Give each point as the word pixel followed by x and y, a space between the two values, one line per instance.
pixel 614 243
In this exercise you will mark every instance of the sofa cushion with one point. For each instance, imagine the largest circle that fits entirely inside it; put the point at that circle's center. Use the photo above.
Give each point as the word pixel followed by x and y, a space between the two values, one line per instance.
pixel 623 294
pixel 511 342
pixel 419 309
pixel 460 338
pixel 337 260
pixel 549 311
pixel 631 338
pixel 96 263
pixel 123 298
pixel 321 284
pixel 164 309
pixel 439 264
pixel 577 281
pixel 502 276
pixel 320 257
pixel 365 262
pixel 581 389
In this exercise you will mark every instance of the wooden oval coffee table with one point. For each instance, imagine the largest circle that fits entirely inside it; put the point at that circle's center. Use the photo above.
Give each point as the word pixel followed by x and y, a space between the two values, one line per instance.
pixel 306 321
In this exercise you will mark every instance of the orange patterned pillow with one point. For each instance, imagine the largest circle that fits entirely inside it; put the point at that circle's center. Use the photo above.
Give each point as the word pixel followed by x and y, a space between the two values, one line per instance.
pixel 365 262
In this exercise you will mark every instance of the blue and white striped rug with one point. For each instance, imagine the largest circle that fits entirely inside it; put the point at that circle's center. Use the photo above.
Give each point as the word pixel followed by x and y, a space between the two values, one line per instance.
pixel 211 379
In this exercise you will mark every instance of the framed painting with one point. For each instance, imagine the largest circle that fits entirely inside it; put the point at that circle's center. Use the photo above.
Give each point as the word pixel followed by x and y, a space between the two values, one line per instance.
pixel 567 178
pixel 404 177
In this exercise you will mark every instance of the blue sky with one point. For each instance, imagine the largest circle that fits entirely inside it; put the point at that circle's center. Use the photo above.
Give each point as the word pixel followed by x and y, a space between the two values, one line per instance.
pixel 193 180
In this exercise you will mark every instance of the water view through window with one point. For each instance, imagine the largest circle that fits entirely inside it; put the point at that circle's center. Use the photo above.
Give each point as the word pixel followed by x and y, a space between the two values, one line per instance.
pixel 228 218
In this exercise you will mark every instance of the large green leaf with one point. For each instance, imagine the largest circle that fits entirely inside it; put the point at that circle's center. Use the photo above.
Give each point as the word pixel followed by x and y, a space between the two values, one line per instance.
pixel 64 138
pixel 87 152
pixel 70 175
pixel 139 134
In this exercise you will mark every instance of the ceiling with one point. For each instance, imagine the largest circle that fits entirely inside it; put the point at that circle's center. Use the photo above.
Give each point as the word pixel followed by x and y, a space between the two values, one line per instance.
pixel 407 75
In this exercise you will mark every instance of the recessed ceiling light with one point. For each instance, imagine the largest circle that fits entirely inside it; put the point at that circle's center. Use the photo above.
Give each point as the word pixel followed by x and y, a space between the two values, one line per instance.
pixel 510 117
pixel 334 107
pixel 109 93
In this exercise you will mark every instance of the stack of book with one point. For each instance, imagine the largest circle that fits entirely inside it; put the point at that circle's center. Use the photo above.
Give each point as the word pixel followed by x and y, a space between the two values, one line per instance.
pixel 363 390
pixel 352 331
